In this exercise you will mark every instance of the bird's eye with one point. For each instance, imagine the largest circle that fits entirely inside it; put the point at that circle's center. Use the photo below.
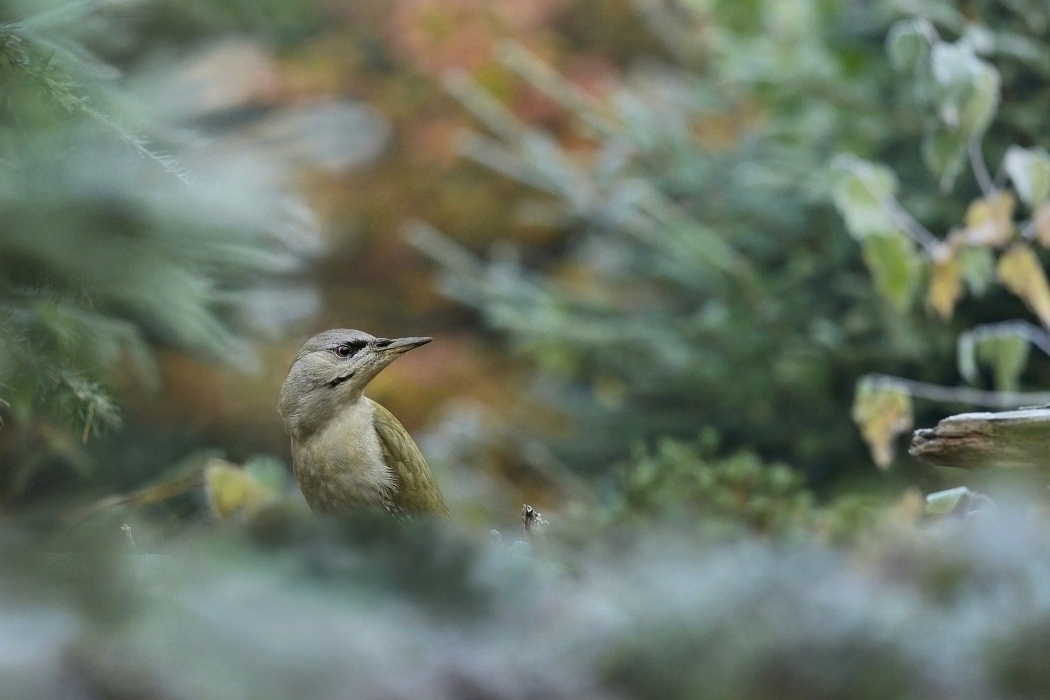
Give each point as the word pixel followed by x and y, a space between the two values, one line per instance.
pixel 349 349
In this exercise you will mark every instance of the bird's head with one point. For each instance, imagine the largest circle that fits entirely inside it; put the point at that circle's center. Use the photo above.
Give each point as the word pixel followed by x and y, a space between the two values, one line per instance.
pixel 332 369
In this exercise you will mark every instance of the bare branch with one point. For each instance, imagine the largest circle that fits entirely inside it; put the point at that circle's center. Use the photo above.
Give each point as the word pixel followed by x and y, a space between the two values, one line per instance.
pixel 962 395
pixel 911 226
pixel 980 168
pixel 1020 329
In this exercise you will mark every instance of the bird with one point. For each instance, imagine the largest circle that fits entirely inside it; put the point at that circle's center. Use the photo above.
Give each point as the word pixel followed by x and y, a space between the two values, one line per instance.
pixel 349 453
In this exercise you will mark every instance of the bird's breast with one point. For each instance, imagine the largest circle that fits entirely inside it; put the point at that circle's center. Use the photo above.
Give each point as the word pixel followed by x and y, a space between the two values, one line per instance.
pixel 341 466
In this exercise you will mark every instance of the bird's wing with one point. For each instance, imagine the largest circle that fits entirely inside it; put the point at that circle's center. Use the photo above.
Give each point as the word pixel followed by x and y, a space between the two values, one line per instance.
pixel 416 492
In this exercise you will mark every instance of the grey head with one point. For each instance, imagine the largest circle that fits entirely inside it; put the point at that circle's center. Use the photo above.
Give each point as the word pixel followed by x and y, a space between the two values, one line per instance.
pixel 331 370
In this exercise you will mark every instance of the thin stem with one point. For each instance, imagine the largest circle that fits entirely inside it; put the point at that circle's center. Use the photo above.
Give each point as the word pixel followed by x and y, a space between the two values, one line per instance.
pixel 87 423
pixel 127 531
pixel 907 223
pixel 963 395
pixel 1019 329
pixel 911 226
pixel 980 168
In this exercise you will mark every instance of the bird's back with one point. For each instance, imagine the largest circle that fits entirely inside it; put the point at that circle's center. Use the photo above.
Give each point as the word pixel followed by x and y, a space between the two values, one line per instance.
pixel 416 491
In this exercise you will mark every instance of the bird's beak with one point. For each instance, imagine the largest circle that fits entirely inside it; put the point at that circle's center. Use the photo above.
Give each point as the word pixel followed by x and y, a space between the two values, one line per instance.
pixel 405 344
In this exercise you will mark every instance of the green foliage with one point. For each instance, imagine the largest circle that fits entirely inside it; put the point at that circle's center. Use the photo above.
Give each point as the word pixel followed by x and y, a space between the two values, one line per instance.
pixel 686 480
pixel 117 233
pixel 715 286
pixel 968 78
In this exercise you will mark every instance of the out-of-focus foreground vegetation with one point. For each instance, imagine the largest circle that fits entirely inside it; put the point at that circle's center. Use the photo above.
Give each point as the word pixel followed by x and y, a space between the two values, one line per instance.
pixel 695 262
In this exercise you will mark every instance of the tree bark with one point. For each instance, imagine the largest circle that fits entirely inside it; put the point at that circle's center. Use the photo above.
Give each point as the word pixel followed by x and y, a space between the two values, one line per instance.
pixel 1007 439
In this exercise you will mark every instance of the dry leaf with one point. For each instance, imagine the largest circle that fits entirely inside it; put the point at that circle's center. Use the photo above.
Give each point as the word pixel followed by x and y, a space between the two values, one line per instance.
pixel 1041 221
pixel 1020 271
pixel 989 222
pixel 946 287
pixel 231 489
pixel 882 414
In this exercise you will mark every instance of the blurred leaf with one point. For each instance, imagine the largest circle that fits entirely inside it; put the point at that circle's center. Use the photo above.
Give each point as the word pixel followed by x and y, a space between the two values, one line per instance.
pixel 946 287
pixel 989 222
pixel 862 191
pixel 1007 355
pixel 908 43
pixel 231 489
pixel 882 413
pixel 968 88
pixel 1019 270
pixel 966 357
pixel 978 268
pixel 1029 170
pixel 896 267
pixel 1041 222
pixel 943 152
pixel 944 502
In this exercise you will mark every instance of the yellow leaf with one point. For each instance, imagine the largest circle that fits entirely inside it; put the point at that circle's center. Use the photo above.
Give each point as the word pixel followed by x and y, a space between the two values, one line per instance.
pixel 1041 221
pixel 946 287
pixel 882 414
pixel 1019 270
pixel 989 222
pixel 231 489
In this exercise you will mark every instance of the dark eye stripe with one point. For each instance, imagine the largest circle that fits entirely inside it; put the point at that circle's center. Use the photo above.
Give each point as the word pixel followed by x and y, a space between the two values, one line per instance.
pixel 349 349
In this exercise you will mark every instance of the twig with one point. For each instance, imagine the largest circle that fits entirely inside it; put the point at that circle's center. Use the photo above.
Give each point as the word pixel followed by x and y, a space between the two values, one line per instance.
pixel 530 521
pixel 980 168
pixel 962 395
pixel 185 480
pixel 127 531
pixel 87 423
pixel 1020 329
pixel 910 225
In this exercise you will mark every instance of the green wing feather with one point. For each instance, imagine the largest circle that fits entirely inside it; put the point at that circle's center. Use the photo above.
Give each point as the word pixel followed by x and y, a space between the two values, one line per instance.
pixel 417 492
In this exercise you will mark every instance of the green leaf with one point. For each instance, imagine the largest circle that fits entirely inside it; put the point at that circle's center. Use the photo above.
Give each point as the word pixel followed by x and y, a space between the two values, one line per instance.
pixel 967 88
pixel 909 42
pixel 978 269
pixel 1007 355
pixel 861 191
pixel 896 267
pixel 966 357
pixel 943 152
pixel 1029 170
pixel 982 103
pixel 945 502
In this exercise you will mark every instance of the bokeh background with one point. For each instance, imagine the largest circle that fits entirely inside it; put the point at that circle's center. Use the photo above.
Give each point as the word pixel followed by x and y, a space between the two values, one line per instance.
pixel 694 269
